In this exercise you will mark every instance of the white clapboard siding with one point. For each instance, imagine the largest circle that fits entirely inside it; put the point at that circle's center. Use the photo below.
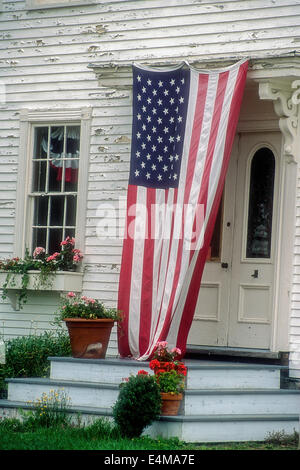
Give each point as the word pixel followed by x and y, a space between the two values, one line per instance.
pixel 44 61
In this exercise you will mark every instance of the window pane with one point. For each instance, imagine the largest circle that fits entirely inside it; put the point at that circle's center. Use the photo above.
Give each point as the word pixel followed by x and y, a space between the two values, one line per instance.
pixel 214 252
pixel 39 176
pixel 55 237
pixel 73 136
pixel 71 210
pixel 70 232
pixel 40 142
pixel 72 158
pixel 40 210
pixel 39 238
pixel 260 209
pixel 57 140
pixel 56 158
pixel 54 178
pixel 57 210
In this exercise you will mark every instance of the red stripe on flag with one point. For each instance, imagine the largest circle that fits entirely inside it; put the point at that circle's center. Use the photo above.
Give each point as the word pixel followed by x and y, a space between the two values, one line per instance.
pixel 126 273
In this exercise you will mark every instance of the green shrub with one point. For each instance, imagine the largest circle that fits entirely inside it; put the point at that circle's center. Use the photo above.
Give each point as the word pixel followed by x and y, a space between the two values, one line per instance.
pixel 27 356
pixel 138 404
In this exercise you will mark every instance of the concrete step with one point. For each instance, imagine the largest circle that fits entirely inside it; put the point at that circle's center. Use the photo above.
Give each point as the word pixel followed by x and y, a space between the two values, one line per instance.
pixel 232 402
pixel 208 428
pixel 199 402
pixel 223 401
pixel 201 374
pixel 91 394
pixel 224 428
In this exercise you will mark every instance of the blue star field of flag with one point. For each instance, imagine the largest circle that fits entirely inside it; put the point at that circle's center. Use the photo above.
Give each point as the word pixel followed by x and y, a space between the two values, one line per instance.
pixel 159 116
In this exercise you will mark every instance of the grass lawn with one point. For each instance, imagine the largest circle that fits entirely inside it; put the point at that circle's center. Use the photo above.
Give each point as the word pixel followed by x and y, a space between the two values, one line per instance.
pixel 102 436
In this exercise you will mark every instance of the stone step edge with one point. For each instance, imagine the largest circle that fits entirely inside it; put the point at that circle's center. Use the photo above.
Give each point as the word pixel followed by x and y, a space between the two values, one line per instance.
pixel 100 385
pixel 145 364
pixel 178 418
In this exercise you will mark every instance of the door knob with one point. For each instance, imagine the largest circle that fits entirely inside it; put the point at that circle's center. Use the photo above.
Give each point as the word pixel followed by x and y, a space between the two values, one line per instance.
pixel 255 274
pixel 224 265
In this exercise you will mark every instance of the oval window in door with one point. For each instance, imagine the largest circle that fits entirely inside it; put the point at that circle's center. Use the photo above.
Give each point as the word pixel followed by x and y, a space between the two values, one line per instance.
pixel 260 208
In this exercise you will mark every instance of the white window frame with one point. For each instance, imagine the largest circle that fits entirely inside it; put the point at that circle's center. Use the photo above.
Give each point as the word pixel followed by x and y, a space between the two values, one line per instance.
pixel 28 120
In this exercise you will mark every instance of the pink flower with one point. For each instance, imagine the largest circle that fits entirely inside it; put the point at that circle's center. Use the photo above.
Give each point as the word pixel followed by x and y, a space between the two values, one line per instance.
pixel 176 350
pixel 38 251
pixel 67 241
pixel 52 257
pixel 71 294
pixel 162 344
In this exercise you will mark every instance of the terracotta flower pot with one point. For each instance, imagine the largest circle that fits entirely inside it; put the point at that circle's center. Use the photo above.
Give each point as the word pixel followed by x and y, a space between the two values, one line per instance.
pixel 170 403
pixel 89 338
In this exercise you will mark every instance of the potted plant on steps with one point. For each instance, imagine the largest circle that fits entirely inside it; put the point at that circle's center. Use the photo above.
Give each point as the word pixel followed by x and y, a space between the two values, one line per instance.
pixel 170 376
pixel 89 325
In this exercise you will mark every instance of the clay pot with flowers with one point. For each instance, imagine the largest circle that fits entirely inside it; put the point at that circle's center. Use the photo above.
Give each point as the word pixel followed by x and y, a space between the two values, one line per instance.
pixel 89 325
pixel 170 376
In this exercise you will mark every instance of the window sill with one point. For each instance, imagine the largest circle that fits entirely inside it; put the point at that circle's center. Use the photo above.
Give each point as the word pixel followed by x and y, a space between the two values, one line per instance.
pixel 61 281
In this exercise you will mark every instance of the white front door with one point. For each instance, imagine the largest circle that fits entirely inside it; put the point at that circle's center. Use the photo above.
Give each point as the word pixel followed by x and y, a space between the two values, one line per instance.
pixel 235 302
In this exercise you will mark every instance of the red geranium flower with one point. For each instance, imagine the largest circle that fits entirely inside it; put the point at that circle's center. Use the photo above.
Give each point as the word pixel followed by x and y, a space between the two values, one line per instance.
pixel 154 364
pixel 142 372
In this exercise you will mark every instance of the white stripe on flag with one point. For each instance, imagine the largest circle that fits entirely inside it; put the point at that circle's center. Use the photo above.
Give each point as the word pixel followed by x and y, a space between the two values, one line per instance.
pixel 137 270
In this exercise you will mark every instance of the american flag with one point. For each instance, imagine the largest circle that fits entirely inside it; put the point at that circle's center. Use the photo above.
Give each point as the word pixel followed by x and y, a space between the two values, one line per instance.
pixel 183 127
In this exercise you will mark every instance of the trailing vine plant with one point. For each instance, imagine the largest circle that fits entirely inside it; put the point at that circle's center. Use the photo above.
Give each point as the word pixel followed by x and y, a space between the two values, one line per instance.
pixel 46 266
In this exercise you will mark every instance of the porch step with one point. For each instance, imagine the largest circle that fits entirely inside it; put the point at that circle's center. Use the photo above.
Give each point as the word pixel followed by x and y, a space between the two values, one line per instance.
pixel 196 428
pixel 231 402
pixel 100 395
pixel 196 402
pixel 201 374
pixel 222 402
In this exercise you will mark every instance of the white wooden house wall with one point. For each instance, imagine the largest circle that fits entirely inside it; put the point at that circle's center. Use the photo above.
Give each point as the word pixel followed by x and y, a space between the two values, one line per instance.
pixel 44 65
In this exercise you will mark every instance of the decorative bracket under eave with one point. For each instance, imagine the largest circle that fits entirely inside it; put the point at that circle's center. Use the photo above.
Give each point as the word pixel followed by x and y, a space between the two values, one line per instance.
pixel 286 98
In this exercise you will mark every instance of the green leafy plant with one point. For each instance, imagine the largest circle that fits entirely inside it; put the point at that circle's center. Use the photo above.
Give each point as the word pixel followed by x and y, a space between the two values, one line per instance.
pixel 138 404
pixel 75 306
pixel 66 260
pixel 170 382
pixel 27 356
pixel 49 410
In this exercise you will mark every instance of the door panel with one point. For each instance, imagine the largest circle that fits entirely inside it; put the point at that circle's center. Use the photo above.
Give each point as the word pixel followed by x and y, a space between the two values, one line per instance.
pixel 235 302
pixel 251 290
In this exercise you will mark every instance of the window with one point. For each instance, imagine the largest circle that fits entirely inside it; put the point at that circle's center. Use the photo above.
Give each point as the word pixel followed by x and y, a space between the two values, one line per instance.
pixel 52 178
pixel 260 209
pixel 214 251
pixel 55 164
